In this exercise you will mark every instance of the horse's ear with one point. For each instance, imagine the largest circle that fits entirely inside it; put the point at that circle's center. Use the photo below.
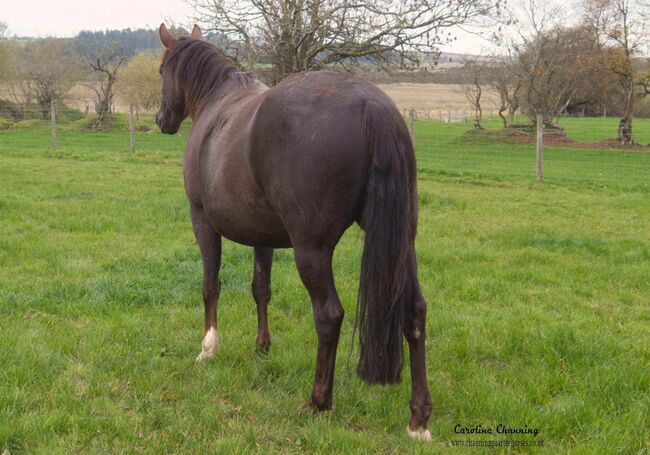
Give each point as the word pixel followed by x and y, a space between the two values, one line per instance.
pixel 166 37
pixel 196 32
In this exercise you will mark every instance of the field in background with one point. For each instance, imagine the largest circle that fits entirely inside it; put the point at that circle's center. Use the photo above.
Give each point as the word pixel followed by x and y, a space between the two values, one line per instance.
pixel 435 97
pixel 539 304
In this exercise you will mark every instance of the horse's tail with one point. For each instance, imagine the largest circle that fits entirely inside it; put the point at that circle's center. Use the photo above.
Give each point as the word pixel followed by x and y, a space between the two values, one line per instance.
pixel 389 218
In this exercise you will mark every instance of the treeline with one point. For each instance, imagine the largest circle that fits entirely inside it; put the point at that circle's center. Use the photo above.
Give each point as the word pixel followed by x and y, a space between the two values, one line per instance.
pixel 546 64
pixel 545 67
pixel 43 72
pixel 128 42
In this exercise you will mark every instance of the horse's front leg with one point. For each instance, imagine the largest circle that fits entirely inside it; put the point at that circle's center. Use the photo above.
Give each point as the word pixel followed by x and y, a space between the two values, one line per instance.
pixel 210 245
pixel 315 268
pixel 262 294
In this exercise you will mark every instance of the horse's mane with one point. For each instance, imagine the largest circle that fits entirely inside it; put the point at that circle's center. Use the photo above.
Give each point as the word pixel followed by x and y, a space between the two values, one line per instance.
pixel 202 68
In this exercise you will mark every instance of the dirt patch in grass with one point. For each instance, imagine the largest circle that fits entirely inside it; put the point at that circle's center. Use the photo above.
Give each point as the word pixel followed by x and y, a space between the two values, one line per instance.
pixel 552 138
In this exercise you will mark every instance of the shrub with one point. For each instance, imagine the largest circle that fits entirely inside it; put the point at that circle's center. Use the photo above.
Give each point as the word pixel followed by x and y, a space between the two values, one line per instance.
pixel 5 123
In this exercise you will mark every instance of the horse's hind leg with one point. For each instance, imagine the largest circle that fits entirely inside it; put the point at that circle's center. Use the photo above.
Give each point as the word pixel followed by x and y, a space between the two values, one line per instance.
pixel 210 245
pixel 315 268
pixel 414 332
pixel 262 294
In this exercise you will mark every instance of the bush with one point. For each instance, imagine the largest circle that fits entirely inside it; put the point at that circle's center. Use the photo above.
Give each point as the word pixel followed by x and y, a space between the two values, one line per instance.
pixel 10 111
pixel 29 124
pixel 112 121
pixel 5 124
pixel 67 115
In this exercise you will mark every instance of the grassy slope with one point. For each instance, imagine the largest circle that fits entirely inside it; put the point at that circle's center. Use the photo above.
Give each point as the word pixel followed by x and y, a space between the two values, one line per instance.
pixel 538 298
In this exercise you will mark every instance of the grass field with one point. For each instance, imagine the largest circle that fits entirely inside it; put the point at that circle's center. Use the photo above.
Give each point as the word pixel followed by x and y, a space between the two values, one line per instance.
pixel 539 306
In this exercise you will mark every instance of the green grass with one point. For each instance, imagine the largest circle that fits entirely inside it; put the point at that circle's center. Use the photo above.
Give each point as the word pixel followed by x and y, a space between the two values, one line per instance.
pixel 538 307
pixel 452 150
pixel 598 129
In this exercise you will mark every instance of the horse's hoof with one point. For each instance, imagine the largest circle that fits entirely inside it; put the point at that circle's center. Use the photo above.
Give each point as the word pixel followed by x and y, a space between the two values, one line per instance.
pixel 263 348
pixel 307 407
pixel 421 434
pixel 204 356
pixel 209 345
pixel 310 407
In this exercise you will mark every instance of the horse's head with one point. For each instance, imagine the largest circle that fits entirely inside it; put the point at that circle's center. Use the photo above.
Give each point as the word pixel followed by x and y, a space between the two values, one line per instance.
pixel 173 108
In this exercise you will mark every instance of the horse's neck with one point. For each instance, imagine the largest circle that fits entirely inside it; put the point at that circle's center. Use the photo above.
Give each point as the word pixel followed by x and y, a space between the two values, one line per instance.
pixel 226 97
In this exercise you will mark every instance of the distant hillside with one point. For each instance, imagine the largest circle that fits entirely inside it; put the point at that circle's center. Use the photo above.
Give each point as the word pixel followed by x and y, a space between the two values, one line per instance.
pixel 447 69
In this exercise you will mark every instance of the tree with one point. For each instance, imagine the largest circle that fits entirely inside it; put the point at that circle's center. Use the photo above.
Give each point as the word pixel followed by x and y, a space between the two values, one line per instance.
pixel 598 89
pixel 4 54
pixel 506 79
pixel 46 71
pixel 620 24
pixel 543 53
pixel 473 90
pixel 105 60
pixel 140 83
pixel 298 35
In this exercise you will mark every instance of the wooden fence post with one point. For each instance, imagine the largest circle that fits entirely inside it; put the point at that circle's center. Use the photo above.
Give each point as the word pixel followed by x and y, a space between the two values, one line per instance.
pixel 412 124
pixel 53 116
pixel 449 116
pixel 540 147
pixel 132 127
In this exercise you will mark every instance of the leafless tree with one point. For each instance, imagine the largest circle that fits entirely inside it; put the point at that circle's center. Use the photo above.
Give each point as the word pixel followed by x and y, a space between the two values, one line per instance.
pixel 506 78
pixel 473 90
pixel 45 71
pixel 297 35
pixel 4 55
pixel 105 65
pixel 543 54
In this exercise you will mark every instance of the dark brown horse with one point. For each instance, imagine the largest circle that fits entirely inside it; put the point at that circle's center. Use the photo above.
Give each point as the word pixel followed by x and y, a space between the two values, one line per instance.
pixel 294 166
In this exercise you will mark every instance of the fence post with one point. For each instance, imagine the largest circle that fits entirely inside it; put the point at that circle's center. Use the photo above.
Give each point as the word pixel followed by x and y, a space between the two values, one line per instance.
pixel 132 127
pixel 540 146
pixel 53 116
pixel 412 124
pixel 449 116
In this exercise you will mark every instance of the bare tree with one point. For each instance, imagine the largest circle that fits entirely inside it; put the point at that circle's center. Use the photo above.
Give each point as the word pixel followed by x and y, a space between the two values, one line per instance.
pixel 297 35
pixel 621 25
pixel 104 60
pixel 46 70
pixel 544 54
pixel 506 79
pixel 4 55
pixel 473 89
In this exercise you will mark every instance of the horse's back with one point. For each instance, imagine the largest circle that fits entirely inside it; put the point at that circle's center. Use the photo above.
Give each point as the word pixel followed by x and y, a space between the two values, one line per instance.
pixel 309 153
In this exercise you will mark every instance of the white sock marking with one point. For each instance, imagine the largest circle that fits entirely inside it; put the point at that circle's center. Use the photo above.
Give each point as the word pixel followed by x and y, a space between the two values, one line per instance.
pixel 209 345
pixel 421 434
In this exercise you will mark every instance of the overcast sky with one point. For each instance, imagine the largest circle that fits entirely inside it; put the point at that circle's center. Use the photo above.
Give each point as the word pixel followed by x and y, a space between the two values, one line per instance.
pixel 68 17
pixel 63 18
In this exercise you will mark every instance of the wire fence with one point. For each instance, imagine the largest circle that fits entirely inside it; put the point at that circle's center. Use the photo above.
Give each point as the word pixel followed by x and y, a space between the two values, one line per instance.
pixel 585 152
pixel 447 142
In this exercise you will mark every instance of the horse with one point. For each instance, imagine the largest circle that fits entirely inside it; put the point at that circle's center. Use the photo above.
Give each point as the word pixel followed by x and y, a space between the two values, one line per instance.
pixel 294 166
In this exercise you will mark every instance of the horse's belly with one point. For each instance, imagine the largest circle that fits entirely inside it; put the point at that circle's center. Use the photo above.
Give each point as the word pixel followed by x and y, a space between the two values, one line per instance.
pixel 247 223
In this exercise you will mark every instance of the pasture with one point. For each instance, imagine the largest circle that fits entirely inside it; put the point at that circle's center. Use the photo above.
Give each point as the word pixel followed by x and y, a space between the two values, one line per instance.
pixel 539 305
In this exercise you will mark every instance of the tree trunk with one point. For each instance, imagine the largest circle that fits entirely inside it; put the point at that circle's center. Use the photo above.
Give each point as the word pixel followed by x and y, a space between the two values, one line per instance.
pixel 625 125
pixel 105 101
pixel 502 109
pixel 45 109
